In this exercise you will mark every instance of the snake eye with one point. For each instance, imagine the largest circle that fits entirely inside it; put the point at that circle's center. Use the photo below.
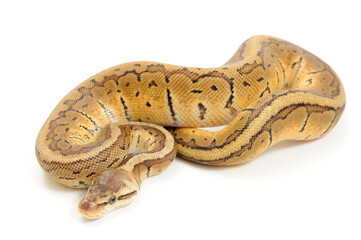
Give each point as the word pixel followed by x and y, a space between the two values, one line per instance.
pixel 112 199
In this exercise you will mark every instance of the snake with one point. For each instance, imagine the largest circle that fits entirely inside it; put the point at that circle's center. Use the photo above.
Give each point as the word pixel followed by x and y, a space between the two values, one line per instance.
pixel 128 122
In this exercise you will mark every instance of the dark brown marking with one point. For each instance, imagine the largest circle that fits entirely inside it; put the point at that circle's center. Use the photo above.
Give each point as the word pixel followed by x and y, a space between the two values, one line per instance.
pixel 112 163
pixel 316 72
pixel 152 83
pixel 67 178
pixel 298 62
pixel 128 195
pixel 196 91
pixel 88 117
pixel 213 74
pixel 266 90
pixel 170 104
pixel 90 174
pixel 125 108
pixel 202 111
pixel 247 68
pixel 108 113
pixel 91 132
pixel 230 100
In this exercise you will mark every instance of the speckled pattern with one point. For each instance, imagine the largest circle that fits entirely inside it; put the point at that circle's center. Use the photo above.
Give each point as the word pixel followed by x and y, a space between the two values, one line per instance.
pixel 270 90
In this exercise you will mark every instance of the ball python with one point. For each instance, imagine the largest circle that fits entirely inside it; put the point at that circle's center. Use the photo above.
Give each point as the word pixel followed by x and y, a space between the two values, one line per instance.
pixel 107 134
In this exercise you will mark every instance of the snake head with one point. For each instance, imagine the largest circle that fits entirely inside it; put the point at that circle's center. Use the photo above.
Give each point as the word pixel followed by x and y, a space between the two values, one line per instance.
pixel 110 190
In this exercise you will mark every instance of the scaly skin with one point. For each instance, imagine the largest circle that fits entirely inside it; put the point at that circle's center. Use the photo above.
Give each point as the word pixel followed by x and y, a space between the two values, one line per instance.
pixel 270 90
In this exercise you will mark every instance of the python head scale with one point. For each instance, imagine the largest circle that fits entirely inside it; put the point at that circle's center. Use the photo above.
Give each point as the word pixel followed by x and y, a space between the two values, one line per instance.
pixel 112 189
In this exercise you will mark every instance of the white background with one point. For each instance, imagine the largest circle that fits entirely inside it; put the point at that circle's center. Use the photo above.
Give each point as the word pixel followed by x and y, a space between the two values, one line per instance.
pixel 292 191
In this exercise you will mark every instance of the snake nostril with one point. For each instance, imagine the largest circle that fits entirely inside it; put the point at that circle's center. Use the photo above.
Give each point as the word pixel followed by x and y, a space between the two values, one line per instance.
pixel 91 198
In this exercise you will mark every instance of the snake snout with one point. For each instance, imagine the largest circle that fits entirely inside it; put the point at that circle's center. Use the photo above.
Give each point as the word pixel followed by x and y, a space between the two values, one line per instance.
pixel 88 208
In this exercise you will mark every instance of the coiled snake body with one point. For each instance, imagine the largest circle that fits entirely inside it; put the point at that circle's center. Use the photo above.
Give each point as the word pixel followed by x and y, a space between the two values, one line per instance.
pixel 106 134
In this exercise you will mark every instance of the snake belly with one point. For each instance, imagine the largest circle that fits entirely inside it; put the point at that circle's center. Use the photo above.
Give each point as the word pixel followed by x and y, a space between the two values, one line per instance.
pixel 270 90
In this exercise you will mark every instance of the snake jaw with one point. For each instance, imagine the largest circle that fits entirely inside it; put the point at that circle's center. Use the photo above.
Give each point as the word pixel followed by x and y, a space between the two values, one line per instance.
pixel 89 209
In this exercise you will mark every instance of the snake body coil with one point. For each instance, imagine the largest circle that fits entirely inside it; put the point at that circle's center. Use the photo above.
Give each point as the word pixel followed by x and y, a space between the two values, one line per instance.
pixel 104 134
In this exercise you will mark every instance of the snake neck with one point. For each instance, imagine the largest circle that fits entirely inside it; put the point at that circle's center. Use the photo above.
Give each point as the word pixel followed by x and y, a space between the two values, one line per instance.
pixel 151 150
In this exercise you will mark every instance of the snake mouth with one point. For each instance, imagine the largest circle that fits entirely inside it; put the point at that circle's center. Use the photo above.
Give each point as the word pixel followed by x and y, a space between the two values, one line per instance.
pixel 91 210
